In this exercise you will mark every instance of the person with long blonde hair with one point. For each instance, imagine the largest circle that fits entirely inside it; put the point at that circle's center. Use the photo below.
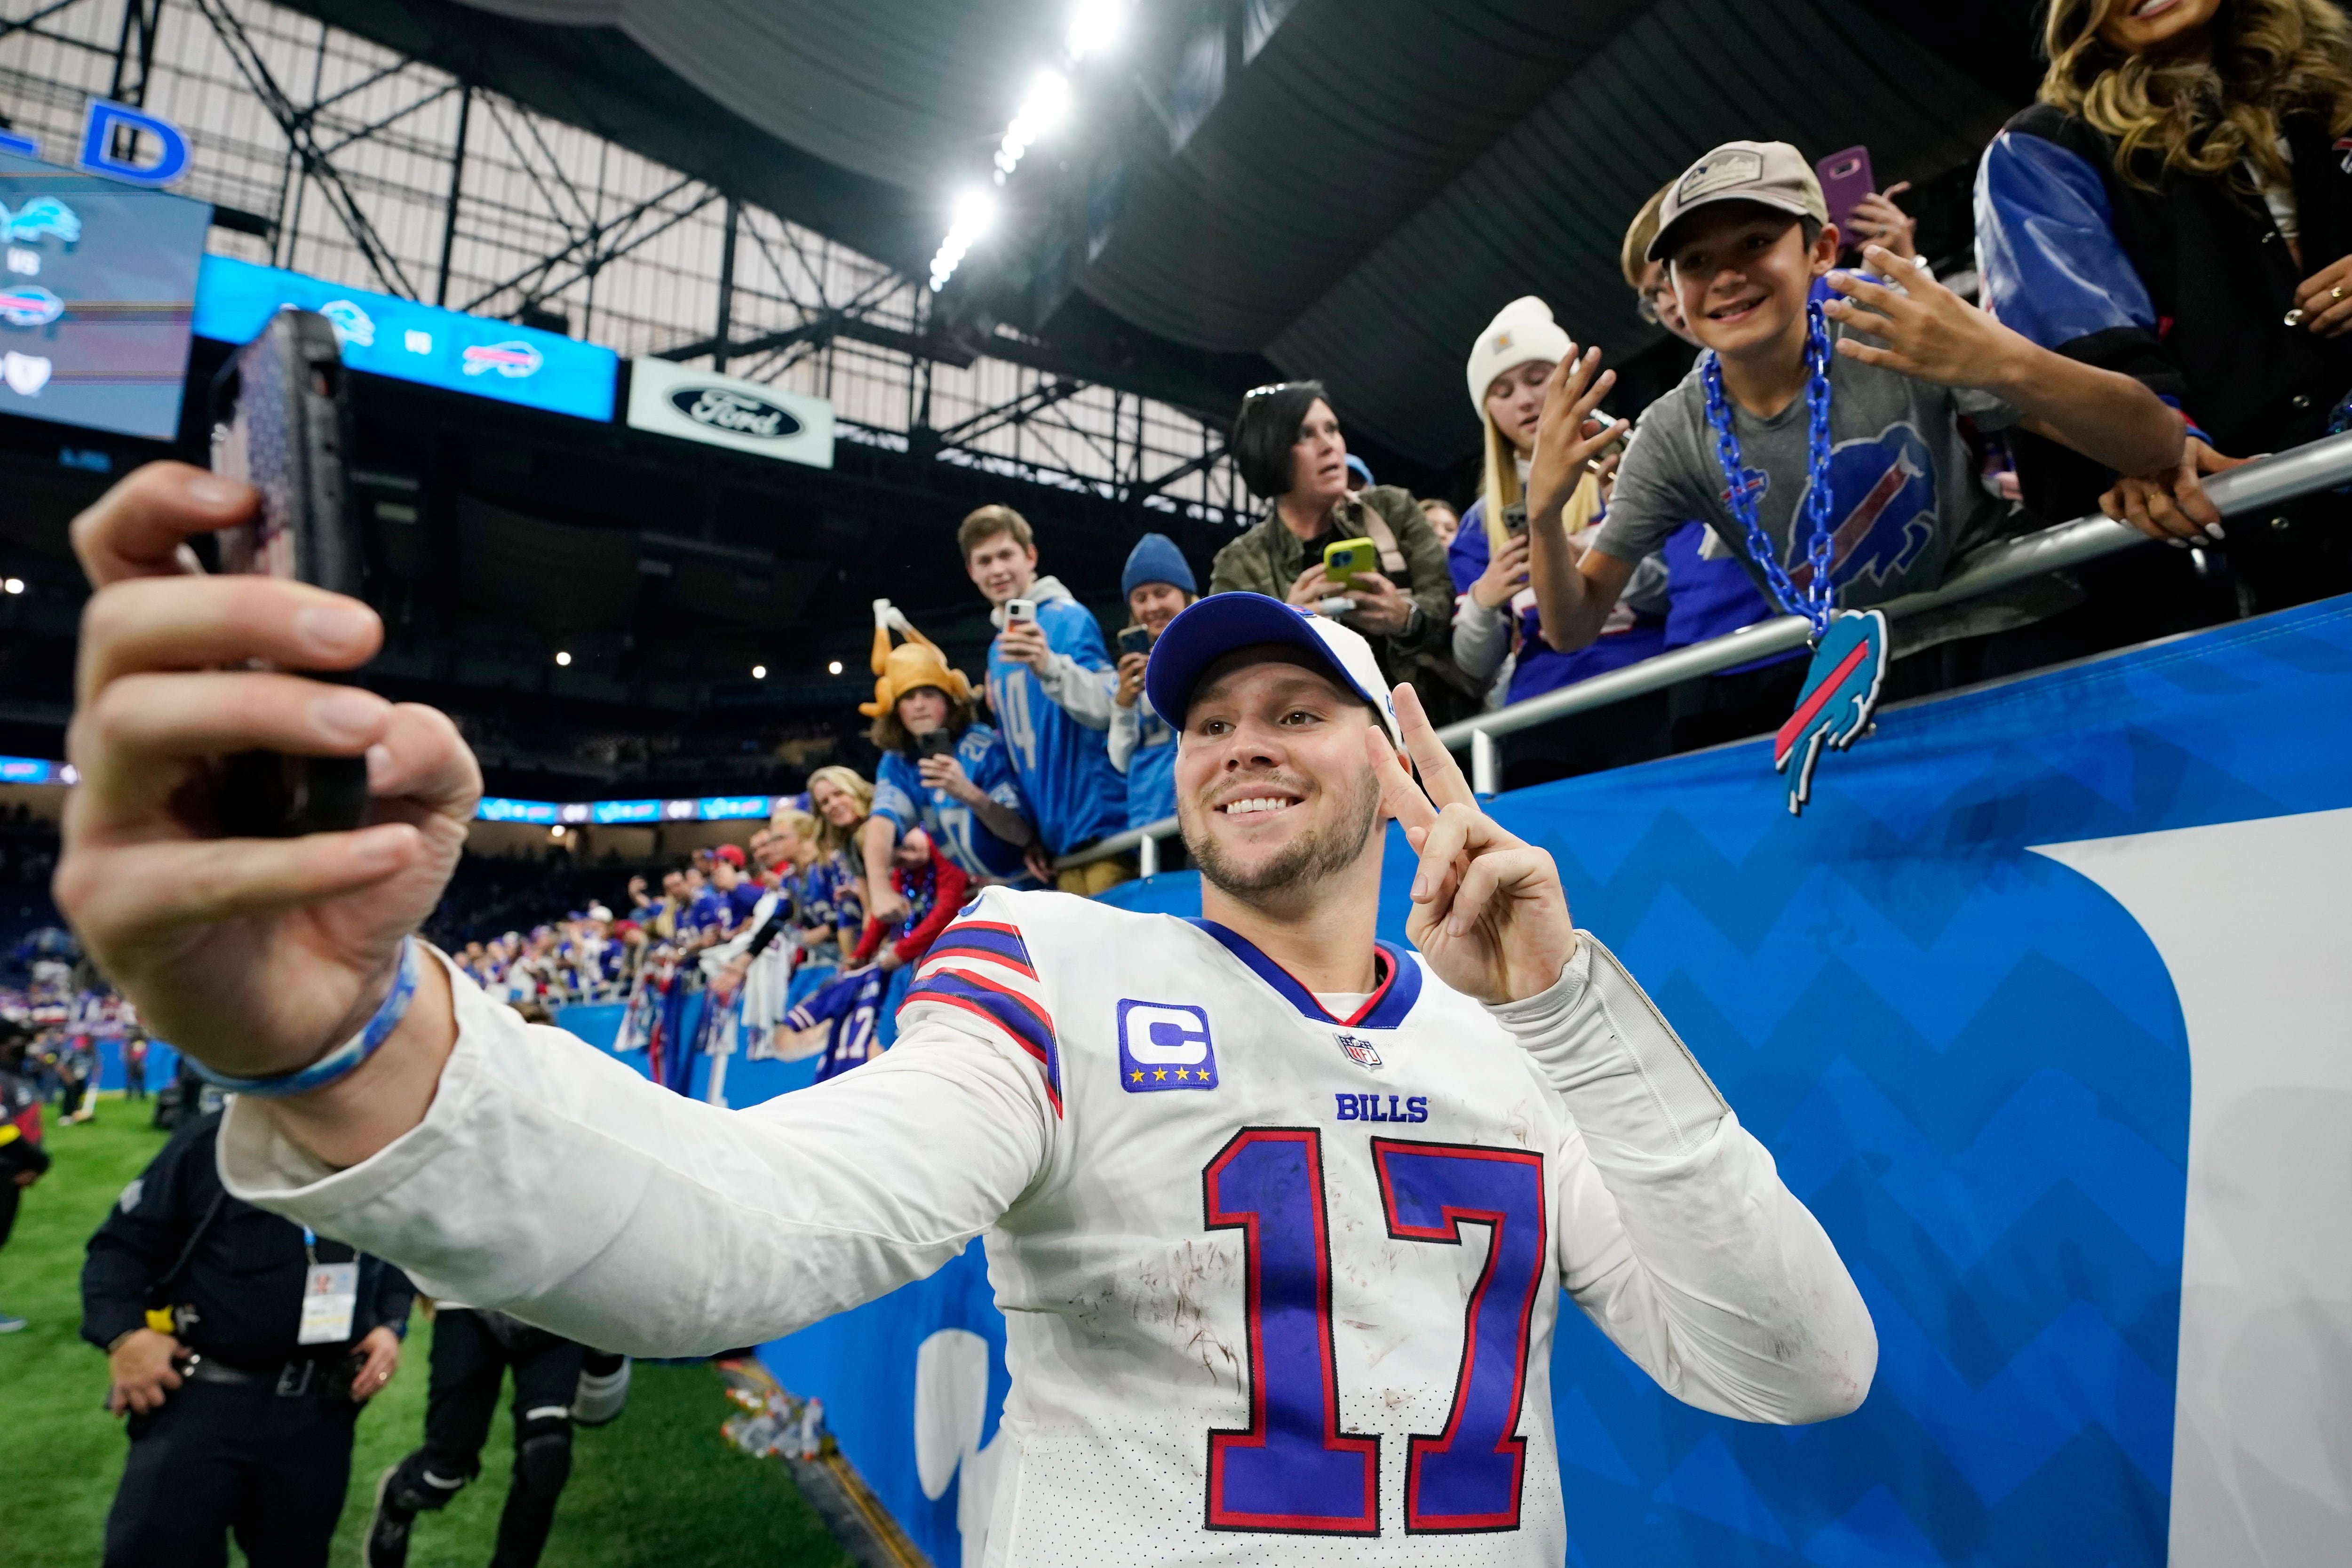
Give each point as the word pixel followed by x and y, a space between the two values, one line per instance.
pixel 2178 206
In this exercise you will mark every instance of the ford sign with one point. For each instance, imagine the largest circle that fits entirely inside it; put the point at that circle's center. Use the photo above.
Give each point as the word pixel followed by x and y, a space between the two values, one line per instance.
pixel 721 408
pixel 717 410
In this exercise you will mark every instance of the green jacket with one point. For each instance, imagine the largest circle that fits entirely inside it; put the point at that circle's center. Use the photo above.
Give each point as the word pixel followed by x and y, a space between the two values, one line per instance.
pixel 1268 559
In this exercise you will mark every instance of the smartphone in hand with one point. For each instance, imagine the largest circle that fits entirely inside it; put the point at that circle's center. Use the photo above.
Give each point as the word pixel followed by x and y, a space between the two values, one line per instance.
pixel 1020 610
pixel 281 423
pixel 1343 558
pixel 1845 179
pixel 1134 639
pixel 938 743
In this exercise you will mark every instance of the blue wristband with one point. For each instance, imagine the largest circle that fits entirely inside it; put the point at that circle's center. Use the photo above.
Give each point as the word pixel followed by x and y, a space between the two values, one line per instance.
pixel 345 1058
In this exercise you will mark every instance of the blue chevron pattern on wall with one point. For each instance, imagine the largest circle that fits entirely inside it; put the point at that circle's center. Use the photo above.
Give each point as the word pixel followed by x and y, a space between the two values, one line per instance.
pixel 1969 1061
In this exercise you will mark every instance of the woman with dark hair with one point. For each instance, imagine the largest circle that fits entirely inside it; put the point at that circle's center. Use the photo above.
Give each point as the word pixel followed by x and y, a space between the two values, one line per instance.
pixel 2179 207
pixel 1288 445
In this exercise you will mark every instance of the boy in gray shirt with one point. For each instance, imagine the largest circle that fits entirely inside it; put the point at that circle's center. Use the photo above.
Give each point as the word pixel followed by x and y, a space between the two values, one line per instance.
pixel 1744 234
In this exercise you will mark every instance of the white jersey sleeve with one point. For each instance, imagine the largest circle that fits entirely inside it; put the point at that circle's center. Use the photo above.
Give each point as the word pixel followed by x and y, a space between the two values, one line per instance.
pixel 552 1181
pixel 1676 1236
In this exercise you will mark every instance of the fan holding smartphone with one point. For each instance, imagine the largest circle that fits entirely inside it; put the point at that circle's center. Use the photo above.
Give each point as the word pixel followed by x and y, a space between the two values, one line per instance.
pixel 1864 214
pixel 941 770
pixel 1158 583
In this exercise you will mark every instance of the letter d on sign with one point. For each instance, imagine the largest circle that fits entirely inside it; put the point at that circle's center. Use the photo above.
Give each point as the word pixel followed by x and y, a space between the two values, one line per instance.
pixel 97 131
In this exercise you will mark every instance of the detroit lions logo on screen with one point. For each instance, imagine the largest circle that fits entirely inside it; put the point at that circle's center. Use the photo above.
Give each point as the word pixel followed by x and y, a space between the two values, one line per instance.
pixel 41 215
pixel 1882 501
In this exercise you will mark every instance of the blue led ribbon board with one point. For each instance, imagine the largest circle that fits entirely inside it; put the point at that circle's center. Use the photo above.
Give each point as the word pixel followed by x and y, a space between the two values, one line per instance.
pixel 384 335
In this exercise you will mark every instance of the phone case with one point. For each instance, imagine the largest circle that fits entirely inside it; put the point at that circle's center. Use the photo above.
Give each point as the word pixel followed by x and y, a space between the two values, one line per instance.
pixel 280 422
pixel 1845 179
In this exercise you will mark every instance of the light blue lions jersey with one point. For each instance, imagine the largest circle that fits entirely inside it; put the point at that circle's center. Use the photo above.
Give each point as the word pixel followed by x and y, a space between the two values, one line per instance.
pixel 1075 796
pixel 900 794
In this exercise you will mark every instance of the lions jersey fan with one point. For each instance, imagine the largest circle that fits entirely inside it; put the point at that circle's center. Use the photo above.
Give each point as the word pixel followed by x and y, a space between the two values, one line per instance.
pixel 1281 1219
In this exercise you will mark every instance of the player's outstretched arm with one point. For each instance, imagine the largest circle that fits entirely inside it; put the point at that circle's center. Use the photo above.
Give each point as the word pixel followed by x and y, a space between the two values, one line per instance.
pixel 503 1164
pixel 1676 1235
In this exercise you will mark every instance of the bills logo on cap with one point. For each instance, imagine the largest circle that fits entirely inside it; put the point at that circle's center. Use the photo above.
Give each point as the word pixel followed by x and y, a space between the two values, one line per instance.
pixel 1359 1050
pixel 1164 1044
pixel 1717 172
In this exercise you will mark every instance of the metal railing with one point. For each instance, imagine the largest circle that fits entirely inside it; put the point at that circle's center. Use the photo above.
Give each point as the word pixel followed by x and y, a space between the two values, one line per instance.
pixel 2257 487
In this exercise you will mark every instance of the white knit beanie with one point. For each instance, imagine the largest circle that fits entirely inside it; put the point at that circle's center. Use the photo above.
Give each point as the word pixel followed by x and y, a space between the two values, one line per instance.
pixel 1521 330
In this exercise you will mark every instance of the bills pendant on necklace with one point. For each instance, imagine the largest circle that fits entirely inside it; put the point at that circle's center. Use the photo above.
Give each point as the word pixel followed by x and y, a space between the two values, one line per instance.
pixel 1840 695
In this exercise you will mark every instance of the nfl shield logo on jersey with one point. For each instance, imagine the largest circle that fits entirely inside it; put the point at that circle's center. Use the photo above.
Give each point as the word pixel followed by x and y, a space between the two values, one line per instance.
pixel 1360 1051
pixel 1164 1044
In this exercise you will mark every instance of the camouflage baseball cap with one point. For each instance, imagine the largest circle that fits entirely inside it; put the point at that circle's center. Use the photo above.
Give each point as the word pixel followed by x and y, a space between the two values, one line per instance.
pixel 1769 173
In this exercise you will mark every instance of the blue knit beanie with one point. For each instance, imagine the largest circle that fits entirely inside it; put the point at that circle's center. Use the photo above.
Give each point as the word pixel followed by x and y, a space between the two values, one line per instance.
pixel 1155 558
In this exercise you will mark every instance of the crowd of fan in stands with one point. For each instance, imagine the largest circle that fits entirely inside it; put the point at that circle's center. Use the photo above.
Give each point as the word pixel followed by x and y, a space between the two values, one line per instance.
pixel 2137 231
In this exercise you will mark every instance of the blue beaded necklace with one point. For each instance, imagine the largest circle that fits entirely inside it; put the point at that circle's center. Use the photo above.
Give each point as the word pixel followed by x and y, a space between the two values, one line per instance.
pixel 1818 601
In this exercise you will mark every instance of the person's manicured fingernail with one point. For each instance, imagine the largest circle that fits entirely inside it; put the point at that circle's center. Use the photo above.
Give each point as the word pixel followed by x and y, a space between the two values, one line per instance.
pixel 2177 544
pixel 383 845
pixel 212 490
pixel 347 714
pixel 2214 529
pixel 331 630
pixel 380 767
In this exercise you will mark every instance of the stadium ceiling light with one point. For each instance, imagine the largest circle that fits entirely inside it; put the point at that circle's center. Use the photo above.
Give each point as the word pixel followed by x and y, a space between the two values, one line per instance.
pixel 556 831
pixel 14 584
pixel 562 658
pixel 1095 26
pixel 1048 100
pixel 833 668
pixel 974 211
pixel 759 672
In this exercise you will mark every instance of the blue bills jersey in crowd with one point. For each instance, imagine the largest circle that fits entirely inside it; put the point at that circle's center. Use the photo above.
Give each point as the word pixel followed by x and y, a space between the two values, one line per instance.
pixel 900 794
pixel 1075 796
pixel 830 898
pixel 847 1007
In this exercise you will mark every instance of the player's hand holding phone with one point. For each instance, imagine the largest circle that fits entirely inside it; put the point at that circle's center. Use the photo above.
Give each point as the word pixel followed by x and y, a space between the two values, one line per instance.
pixel 1488 914
pixel 255 955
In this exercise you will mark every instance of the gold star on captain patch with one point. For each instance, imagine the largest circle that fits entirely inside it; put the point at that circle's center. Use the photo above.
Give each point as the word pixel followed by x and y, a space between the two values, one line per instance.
pixel 1136 1077
pixel 1181 1075
pixel 1160 1074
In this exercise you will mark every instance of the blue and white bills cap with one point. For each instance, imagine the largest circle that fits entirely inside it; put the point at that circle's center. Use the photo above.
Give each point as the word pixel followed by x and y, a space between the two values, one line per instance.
pixel 1222 623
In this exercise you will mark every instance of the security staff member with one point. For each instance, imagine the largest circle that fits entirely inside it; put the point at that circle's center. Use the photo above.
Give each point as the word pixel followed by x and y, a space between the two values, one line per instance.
pixel 472 1352
pixel 241 1346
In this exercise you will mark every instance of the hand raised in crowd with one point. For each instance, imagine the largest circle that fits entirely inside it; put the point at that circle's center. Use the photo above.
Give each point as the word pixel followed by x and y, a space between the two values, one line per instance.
pixel 1023 642
pixel 1875 220
pixel 947 773
pixel 1131 667
pixel 143 1369
pixel 1490 914
pixel 1926 329
pixel 380 1347
pixel 885 903
pixel 2173 506
pixel 1567 436
pixel 2325 298
pixel 1383 609
pixel 255 956
pixel 1506 575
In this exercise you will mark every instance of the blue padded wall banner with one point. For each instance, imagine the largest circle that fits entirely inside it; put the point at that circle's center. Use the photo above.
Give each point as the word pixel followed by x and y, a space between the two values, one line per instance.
pixel 1960 1000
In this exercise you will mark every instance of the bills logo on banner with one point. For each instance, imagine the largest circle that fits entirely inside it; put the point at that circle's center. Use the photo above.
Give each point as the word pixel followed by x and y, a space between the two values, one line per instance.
pixel 29 305
pixel 511 359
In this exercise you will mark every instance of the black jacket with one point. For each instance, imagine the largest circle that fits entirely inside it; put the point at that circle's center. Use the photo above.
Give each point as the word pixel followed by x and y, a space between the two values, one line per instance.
pixel 2211 333
pixel 239 1299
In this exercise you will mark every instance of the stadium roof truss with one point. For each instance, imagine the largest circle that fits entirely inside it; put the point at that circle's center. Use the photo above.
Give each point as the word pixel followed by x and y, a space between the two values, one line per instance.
pixel 332 155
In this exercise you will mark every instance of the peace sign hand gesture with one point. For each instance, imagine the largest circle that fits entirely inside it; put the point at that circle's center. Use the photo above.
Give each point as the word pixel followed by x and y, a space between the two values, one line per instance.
pixel 1488 914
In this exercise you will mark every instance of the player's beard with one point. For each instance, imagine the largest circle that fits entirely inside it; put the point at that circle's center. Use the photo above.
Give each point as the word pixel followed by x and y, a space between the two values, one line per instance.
pixel 1300 865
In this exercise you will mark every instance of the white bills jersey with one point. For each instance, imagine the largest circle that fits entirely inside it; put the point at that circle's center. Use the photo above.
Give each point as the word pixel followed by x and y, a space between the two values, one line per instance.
pixel 1281 1273
pixel 1279 1286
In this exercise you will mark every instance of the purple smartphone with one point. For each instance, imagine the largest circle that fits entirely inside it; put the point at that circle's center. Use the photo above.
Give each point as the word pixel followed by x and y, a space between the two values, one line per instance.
pixel 1845 180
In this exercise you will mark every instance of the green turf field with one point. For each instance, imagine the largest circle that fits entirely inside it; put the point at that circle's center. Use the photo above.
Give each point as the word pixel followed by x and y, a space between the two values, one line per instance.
pixel 658 1487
